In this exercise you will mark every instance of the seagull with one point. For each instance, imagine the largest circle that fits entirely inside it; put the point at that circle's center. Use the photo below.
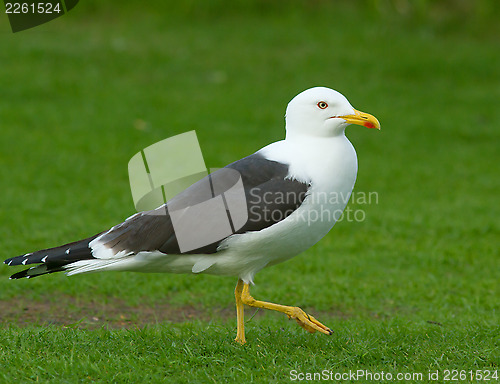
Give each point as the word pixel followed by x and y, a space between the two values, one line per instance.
pixel 293 191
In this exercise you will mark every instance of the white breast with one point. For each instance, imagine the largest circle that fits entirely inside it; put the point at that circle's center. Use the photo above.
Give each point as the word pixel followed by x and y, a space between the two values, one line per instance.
pixel 330 166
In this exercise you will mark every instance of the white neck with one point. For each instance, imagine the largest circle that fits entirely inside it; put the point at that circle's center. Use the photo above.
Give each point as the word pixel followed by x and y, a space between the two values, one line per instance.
pixel 321 160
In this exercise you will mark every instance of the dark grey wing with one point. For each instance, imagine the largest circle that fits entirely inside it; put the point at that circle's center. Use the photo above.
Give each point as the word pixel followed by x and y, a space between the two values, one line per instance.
pixel 269 197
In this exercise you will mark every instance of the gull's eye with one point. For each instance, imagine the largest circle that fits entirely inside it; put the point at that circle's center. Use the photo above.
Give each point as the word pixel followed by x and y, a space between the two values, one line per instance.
pixel 322 105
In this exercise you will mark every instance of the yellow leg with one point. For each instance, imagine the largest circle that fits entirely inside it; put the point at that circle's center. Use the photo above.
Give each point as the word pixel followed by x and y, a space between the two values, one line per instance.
pixel 242 293
pixel 240 313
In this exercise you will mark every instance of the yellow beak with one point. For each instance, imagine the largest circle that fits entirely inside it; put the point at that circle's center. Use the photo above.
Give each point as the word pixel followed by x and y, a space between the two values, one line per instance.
pixel 362 118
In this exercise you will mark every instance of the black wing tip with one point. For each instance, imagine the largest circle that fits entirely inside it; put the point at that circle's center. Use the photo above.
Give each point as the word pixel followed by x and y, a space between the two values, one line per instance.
pixel 51 259
pixel 20 260
pixel 19 275
pixel 9 261
pixel 12 262
pixel 36 271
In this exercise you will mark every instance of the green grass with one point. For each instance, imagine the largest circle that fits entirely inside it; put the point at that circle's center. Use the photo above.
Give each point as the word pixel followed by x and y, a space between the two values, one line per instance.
pixel 412 288
pixel 199 352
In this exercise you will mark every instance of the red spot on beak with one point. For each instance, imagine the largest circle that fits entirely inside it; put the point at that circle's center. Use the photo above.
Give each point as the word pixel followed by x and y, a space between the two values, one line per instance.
pixel 369 125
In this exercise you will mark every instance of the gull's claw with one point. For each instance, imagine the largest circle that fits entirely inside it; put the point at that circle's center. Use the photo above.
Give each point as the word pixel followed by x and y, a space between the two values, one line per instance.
pixel 242 294
pixel 308 322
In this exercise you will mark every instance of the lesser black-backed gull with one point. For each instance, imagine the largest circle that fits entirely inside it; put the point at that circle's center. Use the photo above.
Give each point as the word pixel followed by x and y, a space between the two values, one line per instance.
pixel 285 187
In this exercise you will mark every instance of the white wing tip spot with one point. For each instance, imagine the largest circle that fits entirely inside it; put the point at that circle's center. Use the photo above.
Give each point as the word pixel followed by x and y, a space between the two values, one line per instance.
pixel 67 251
pixel 24 261
pixel 44 259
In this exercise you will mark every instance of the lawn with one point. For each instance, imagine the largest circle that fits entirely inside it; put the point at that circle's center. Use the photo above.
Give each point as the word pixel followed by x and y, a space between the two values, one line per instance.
pixel 412 287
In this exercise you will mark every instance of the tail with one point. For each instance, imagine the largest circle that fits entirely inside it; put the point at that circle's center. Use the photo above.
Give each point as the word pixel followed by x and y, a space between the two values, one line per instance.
pixel 52 259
